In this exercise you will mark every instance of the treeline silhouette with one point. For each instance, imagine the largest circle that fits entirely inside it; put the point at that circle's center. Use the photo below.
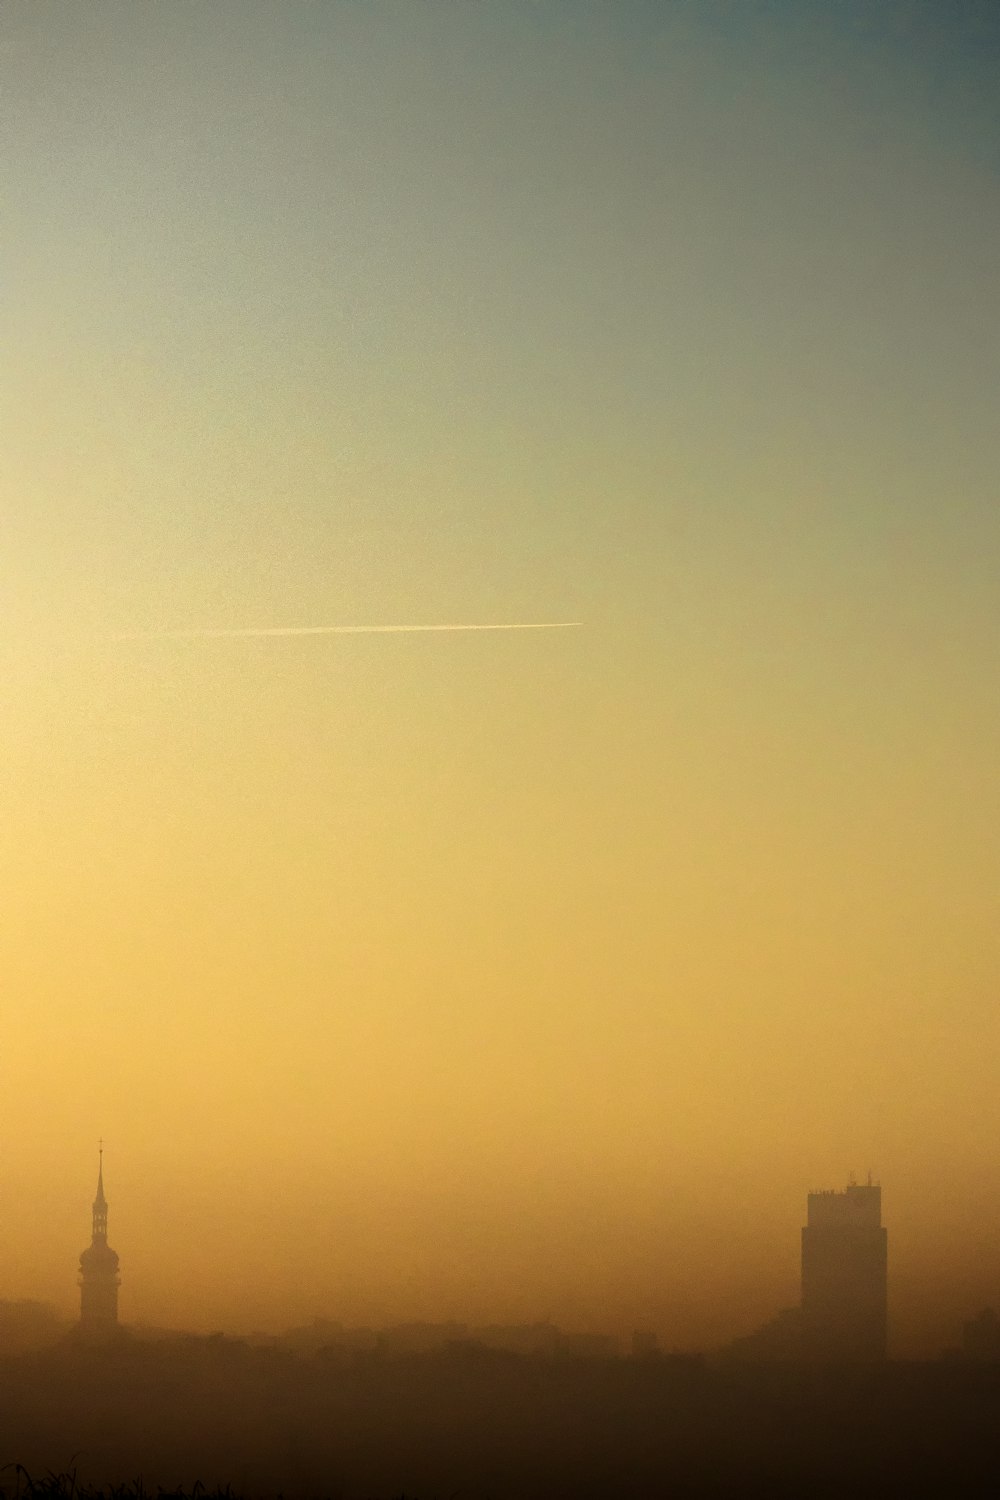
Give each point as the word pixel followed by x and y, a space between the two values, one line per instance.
pixel 475 1422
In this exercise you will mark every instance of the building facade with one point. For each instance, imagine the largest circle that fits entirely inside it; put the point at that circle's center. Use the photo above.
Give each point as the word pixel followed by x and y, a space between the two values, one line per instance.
pixel 99 1278
pixel 844 1275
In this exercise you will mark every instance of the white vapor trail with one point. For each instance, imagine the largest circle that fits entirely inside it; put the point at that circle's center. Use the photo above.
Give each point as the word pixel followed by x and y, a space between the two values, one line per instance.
pixel 287 630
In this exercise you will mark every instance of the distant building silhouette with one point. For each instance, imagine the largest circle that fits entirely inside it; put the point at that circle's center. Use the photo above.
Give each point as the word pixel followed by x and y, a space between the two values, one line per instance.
pixel 981 1336
pixel 99 1279
pixel 420 1338
pixel 528 1339
pixel 778 1341
pixel 844 1266
pixel 588 1346
pixel 28 1326
pixel 645 1344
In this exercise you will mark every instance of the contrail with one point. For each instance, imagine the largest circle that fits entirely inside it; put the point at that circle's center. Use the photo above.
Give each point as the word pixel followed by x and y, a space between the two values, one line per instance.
pixel 286 630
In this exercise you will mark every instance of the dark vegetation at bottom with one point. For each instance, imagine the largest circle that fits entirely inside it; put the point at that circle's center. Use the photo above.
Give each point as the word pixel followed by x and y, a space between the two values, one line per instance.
pixel 472 1425
pixel 66 1486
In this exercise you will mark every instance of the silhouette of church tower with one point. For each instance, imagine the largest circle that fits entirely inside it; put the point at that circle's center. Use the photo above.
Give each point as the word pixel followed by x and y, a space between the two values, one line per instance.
pixel 99 1277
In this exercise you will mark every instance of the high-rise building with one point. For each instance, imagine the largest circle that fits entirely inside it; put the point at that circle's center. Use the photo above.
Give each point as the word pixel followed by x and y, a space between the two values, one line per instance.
pixel 99 1279
pixel 844 1262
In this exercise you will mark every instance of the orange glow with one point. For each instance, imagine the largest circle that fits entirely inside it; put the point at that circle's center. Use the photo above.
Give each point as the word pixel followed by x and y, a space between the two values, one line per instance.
pixel 513 975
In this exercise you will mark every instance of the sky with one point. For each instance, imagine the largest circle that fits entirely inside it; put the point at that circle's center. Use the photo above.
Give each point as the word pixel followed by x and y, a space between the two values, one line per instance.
pixel 499 975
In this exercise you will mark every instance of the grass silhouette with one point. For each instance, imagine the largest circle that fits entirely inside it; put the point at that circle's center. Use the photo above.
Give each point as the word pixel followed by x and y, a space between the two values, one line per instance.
pixel 66 1486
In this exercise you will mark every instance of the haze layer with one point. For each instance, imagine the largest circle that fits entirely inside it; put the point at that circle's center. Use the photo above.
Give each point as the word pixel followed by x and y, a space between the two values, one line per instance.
pixel 517 974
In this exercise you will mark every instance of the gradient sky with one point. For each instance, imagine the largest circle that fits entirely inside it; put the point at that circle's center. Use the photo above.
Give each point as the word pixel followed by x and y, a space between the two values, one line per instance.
pixel 507 975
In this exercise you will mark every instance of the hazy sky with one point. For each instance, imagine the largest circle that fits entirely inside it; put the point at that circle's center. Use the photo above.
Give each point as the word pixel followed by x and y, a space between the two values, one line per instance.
pixel 500 975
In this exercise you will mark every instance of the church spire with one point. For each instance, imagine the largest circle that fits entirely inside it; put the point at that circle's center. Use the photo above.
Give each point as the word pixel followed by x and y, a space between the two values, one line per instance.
pixel 100 1204
pixel 99 1277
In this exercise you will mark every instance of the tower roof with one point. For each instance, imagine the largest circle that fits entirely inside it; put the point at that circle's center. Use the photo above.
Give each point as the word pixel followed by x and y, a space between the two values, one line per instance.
pixel 100 1201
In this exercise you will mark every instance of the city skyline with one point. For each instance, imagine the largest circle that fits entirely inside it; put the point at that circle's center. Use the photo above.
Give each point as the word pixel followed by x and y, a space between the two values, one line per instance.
pixel 842 1313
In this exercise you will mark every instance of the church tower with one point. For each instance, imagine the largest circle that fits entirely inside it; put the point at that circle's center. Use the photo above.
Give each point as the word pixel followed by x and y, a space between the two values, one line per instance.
pixel 99 1277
